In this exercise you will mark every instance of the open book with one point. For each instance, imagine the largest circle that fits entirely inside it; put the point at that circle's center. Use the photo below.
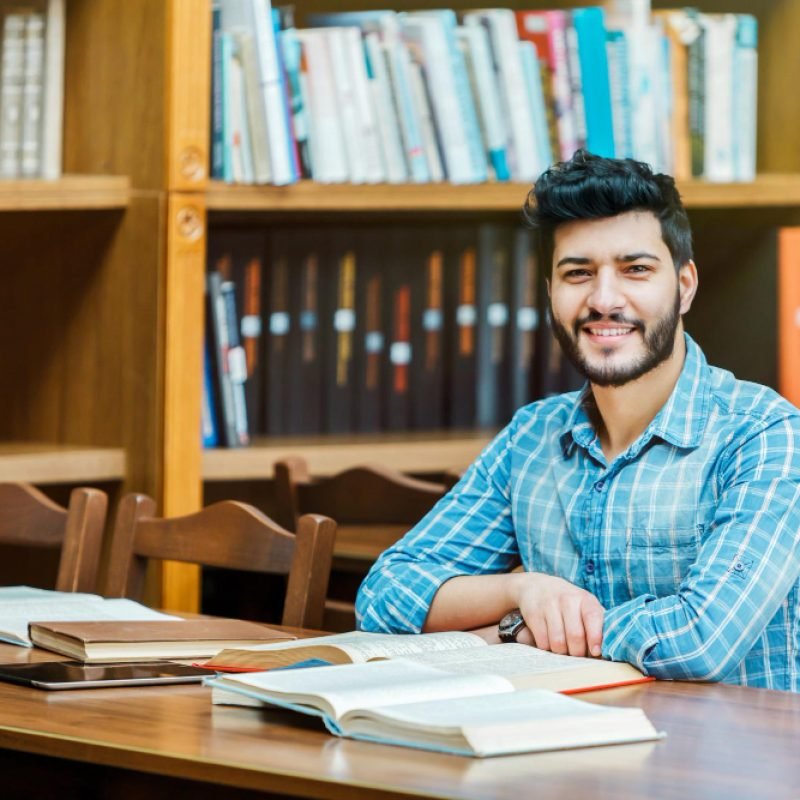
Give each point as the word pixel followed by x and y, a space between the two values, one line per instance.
pixel 145 640
pixel 455 652
pixel 21 605
pixel 401 702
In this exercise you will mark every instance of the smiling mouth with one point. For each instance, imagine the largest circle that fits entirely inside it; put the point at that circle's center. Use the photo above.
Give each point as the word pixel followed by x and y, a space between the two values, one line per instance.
pixel 608 333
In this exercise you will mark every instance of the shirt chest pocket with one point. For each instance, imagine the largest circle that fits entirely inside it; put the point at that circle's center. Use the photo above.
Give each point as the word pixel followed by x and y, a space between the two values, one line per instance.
pixel 656 560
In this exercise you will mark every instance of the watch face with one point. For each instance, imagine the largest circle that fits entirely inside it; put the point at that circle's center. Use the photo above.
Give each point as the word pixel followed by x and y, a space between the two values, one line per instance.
pixel 511 624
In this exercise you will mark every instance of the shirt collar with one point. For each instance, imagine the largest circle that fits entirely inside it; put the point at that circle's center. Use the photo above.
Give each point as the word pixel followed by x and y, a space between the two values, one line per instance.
pixel 681 420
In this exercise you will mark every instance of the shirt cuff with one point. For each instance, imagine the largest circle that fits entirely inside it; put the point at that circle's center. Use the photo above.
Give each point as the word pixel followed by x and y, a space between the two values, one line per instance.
pixel 628 634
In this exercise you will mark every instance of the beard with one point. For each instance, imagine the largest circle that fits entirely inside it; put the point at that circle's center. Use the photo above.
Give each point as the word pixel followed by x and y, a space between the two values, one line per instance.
pixel 659 342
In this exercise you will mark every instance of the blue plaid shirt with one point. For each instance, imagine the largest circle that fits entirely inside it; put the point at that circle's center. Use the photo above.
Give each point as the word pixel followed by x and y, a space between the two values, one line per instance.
pixel 689 538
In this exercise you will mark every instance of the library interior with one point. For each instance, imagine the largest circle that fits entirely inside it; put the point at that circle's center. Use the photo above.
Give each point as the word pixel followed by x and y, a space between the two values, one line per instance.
pixel 275 293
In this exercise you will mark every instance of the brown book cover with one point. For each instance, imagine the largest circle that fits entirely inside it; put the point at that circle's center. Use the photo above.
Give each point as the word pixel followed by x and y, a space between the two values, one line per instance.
pixel 145 640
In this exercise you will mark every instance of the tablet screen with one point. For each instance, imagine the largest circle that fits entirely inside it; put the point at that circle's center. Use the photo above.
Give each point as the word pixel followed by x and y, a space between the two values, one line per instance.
pixel 75 675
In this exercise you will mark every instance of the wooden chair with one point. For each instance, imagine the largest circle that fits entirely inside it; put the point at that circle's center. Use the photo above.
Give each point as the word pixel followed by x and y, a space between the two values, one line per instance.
pixel 373 507
pixel 30 519
pixel 230 535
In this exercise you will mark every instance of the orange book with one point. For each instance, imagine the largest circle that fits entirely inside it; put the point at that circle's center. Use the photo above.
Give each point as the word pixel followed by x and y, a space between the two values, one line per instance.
pixel 789 314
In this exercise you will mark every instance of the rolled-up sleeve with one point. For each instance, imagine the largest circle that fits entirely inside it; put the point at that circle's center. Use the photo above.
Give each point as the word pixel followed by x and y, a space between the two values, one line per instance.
pixel 468 532
pixel 745 569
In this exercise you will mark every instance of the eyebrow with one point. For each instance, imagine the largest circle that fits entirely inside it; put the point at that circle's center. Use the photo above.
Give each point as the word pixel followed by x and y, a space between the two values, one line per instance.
pixel 623 259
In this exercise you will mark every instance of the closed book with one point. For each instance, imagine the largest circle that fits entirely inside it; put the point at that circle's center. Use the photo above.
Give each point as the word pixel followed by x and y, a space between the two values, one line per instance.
pixel 30 165
pixel 12 78
pixel 524 315
pixel 52 130
pixel 278 329
pixel 304 366
pixel 745 81
pixel 491 367
pixel 339 325
pixel 371 350
pixel 427 330
pixel 697 95
pixel 789 314
pixel 398 364
pixel 462 316
pixel 146 640
pixel 219 346
pixel 237 367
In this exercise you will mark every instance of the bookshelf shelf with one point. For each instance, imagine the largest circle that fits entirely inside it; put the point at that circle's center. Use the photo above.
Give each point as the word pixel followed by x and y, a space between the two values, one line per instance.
pixel 769 190
pixel 71 192
pixel 54 463
pixel 407 452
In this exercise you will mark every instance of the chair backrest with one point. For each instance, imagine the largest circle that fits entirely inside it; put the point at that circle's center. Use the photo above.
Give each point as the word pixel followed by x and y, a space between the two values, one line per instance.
pixel 368 495
pixel 30 519
pixel 373 507
pixel 230 535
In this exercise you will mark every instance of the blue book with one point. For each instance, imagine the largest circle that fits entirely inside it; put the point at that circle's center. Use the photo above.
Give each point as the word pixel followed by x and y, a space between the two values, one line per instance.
pixel 294 159
pixel 209 415
pixel 221 155
pixel 591 32
pixel 533 78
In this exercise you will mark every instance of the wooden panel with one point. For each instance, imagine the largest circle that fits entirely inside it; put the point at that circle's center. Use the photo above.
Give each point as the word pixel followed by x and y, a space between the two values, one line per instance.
pixel 188 91
pixel 406 452
pixel 52 463
pixel 114 88
pixel 183 315
pixel 69 192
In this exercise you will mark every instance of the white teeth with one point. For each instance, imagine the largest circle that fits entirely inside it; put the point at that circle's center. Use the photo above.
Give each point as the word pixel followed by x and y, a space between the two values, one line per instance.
pixel 609 331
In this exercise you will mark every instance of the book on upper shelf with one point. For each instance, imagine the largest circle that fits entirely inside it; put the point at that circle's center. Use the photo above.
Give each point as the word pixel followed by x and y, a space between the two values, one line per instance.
pixel 97 642
pixel 22 605
pixel 410 704
pixel 456 652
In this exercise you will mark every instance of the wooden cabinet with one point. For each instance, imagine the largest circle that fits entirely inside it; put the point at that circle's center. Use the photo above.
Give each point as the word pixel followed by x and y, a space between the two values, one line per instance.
pixel 102 306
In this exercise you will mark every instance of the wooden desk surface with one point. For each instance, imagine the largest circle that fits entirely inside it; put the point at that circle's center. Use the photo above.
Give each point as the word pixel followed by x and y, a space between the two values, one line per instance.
pixel 723 742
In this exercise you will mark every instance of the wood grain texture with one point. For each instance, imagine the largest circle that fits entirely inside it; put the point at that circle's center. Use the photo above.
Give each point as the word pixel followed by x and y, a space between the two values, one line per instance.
pixel 722 742
pixel 70 192
pixel 44 463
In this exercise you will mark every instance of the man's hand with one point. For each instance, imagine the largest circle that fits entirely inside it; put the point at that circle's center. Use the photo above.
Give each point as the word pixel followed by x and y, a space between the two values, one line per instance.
pixel 560 617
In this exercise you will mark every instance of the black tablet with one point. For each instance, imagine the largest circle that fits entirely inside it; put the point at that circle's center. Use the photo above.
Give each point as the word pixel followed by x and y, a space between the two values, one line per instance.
pixel 75 675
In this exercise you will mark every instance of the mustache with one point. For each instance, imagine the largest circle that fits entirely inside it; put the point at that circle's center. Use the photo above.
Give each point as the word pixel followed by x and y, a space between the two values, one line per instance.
pixel 596 316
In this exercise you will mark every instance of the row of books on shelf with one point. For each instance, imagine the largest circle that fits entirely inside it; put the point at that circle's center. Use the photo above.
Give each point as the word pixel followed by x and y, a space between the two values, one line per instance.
pixel 425 96
pixel 368 329
pixel 31 88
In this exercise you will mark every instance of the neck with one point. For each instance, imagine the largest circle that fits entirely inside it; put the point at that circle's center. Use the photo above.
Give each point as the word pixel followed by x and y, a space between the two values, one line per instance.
pixel 626 411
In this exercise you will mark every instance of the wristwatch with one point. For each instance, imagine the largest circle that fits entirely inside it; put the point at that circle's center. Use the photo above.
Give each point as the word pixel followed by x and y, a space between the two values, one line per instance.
pixel 510 626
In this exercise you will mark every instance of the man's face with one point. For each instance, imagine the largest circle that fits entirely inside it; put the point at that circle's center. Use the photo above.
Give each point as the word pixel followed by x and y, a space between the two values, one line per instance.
pixel 615 297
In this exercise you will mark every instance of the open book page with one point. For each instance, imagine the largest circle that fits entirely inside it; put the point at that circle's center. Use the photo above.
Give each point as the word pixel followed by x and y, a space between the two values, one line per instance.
pixel 355 647
pixel 529 667
pixel 338 689
pixel 23 605
pixel 525 721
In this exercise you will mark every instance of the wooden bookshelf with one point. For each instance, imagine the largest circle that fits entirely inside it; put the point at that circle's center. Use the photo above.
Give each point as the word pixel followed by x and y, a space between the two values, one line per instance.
pixel 69 193
pixel 768 191
pixel 54 463
pixel 407 452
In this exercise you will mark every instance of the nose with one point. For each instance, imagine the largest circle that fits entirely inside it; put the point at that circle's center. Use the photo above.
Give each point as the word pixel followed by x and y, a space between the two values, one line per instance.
pixel 606 296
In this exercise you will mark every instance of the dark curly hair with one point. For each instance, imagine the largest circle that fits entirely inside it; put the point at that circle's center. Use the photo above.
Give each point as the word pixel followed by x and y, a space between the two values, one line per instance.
pixel 592 187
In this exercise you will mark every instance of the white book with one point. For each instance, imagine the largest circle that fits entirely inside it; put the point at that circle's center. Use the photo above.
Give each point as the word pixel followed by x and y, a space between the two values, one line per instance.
pixel 720 37
pixel 30 165
pixel 53 106
pixel 386 110
pixel 745 98
pixel 21 605
pixel 325 139
pixel 12 72
pixel 346 103
pixel 427 43
pixel 405 703
pixel 256 127
pixel 366 110
pixel 431 143
pixel 526 162
pixel 241 154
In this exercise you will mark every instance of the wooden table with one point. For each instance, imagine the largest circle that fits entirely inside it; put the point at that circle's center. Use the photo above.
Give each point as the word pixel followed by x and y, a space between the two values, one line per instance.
pixel 157 742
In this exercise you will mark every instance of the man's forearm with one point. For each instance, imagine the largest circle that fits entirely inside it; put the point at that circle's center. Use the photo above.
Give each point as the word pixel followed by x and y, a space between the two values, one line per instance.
pixel 471 601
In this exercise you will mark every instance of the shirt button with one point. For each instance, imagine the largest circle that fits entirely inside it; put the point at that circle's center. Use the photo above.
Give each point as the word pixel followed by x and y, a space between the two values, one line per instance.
pixel 599 485
pixel 589 567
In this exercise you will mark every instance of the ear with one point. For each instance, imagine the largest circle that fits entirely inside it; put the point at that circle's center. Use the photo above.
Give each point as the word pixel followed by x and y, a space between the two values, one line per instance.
pixel 547 284
pixel 687 285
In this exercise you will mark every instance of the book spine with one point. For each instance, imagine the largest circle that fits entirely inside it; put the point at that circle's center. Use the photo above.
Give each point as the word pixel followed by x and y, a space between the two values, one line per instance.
pixel 237 366
pixel 218 96
pixel 575 81
pixel 619 85
pixel 288 123
pixel 697 97
pixel 745 97
pixel 252 334
pixel 53 104
pixel 210 431
pixel 32 97
pixel 591 36
pixel 720 32
pixel 220 336
pixel 432 145
pixel 292 53
pixel 279 328
pixel 241 153
pixel 251 108
pixel 789 314
pixel 524 320
pixel 533 78
pixel 11 87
